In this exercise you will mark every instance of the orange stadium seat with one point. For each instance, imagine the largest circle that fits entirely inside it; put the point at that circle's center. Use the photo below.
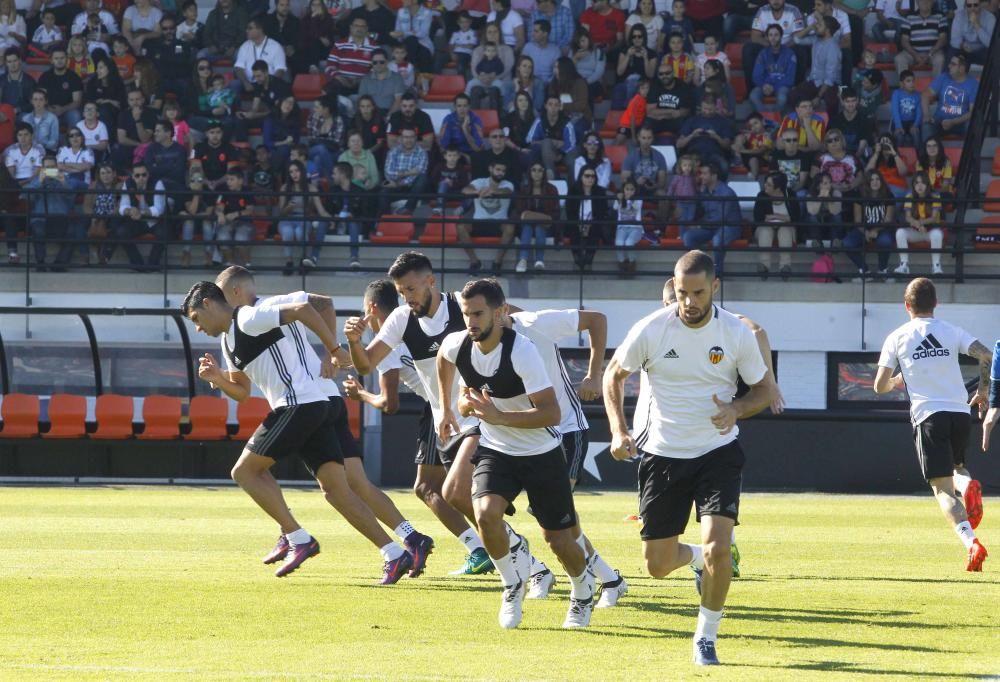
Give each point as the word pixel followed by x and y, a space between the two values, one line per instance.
pixel 609 130
pixel 20 415
pixel 392 233
pixel 992 193
pixel 739 85
pixel 439 233
pixel 67 415
pixel 489 118
pixel 162 416
pixel 996 162
pixel 616 154
pixel 444 88
pixel 909 157
pixel 208 414
pixel 735 53
pixel 250 413
pixel 114 417
pixel 308 87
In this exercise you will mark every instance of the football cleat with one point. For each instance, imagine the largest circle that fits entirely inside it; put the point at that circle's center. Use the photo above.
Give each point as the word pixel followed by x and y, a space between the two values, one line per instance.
pixel 420 547
pixel 476 563
pixel 977 555
pixel 279 551
pixel 735 551
pixel 393 570
pixel 540 584
pixel 973 499
pixel 579 613
pixel 510 607
pixel 296 555
pixel 611 592
pixel 704 652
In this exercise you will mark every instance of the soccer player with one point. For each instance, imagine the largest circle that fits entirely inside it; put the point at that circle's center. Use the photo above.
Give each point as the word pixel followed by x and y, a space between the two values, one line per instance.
pixel 925 351
pixel 691 353
pixel 544 328
pixel 505 385
pixel 381 298
pixel 300 422
pixel 240 288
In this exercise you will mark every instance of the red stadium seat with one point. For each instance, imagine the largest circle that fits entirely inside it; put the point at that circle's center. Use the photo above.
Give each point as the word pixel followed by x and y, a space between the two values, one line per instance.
pixel 162 417
pixel 609 130
pixel 308 87
pixel 996 162
pixel 954 155
pixel 250 413
pixel 114 417
pixel 20 415
pixel 992 193
pixel 739 85
pixel 489 118
pixel 909 157
pixel 392 233
pixel 616 154
pixel 67 414
pixel 439 233
pixel 444 88
pixel 921 83
pixel 208 415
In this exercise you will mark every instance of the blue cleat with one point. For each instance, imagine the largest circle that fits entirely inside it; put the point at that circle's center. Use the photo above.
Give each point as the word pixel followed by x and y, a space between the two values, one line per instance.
pixel 476 563
pixel 704 652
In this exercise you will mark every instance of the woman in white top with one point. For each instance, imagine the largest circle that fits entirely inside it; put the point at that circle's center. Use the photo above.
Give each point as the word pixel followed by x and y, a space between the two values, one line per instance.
pixel 140 23
pixel 511 24
pixel 645 14
pixel 13 32
pixel 75 160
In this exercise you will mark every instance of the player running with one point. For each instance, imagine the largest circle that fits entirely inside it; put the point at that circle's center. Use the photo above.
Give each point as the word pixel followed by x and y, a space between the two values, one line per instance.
pixel 692 353
pixel 925 350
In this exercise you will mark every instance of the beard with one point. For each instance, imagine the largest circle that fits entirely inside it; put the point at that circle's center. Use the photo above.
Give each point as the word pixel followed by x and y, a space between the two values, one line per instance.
pixel 701 318
pixel 424 307
pixel 481 334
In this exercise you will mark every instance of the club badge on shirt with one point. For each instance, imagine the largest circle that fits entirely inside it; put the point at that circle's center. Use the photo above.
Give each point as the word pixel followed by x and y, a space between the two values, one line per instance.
pixel 715 355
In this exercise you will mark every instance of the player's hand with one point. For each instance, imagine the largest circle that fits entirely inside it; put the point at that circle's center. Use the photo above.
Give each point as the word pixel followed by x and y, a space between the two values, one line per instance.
pixel 354 327
pixel 483 407
pixel 208 369
pixel 342 358
pixel 725 419
pixel 778 401
pixel 448 426
pixel 589 388
pixel 623 446
pixel 464 405
pixel 351 388
pixel 980 399
pixel 327 370
pixel 989 421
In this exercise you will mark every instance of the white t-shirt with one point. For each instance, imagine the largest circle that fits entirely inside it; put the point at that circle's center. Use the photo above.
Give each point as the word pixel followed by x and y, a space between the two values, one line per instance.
pixel 529 367
pixel 391 334
pixel 296 333
pixel 841 17
pixel 507 26
pixel 492 208
pixel 685 368
pixel 142 23
pixel 94 135
pixel 277 370
pixel 399 359
pixel 464 41
pixel 888 8
pixel 926 352
pixel 544 328
pixel 790 21
pixel 68 155
pixel 270 51
pixel 107 20
pixel 26 164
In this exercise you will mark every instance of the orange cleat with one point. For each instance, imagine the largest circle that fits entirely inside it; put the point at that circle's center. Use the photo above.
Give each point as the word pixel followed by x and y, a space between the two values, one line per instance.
pixel 973 499
pixel 977 555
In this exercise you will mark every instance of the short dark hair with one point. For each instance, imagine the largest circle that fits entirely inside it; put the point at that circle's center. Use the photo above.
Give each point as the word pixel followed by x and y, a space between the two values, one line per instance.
pixel 921 295
pixel 24 125
pixel 906 74
pixel 462 95
pixel 832 25
pixel 545 25
pixel 712 167
pixel 344 167
pixel 781 31
pixel 695 263
pixel 166 125
pixel 410 261
pixel 848 92
pixel 408 95
pixel 382 292
pixel 199 293
pixel 488 288
pixel 259 65
pixel 234 273
pixel 11 51
pixel 378 51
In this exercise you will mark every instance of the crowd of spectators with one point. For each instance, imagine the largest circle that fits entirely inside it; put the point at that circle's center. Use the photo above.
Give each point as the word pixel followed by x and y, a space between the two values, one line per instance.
pixel 183 129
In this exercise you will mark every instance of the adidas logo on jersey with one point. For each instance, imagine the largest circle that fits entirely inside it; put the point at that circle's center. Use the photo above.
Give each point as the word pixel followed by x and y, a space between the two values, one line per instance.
pixel 931 348
pixel 485 388
pixel 671 354
pixel 434 347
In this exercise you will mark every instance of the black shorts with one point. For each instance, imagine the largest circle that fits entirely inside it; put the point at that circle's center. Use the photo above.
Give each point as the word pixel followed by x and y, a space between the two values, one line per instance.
pixel 668 486
pixel 941 440
pixel 575 446
pixel 308 430
pixel 348 443
pixel 447 455
pixel 488 228
pixel 544 477
pixel 427 452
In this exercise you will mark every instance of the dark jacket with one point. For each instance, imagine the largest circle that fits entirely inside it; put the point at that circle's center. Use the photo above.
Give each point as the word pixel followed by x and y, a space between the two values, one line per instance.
pixel 763 207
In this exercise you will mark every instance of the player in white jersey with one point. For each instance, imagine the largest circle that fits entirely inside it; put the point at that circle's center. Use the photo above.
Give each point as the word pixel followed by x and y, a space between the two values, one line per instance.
pixel 505 385
pixel 692 353
pixel 544 328
pixel 257 351
pixel 925 350
pixel 238 284
pixel 380 300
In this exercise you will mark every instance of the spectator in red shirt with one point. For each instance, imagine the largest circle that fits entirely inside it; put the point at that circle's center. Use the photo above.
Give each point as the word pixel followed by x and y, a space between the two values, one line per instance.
pixel 606 25
pixel 350 60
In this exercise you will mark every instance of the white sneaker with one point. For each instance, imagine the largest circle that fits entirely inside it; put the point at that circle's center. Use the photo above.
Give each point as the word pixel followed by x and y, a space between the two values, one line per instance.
pixel 540 584
pixel 937 269
pixel 355 265
pixel 510 607
pixel 612 592
pixel 903 269
pixel 539 265
pixel 522 266
pixel 579 612
pixel 520 554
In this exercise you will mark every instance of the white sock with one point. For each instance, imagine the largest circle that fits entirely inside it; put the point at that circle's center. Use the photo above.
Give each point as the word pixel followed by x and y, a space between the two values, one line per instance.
pixel 536 566
pixel 390 552
pixel 582 541
pixel 404 529
pixel 708 624
pixel 512 537
pixel 600 567
pixel 471 540
pixel 697 557
pixel 299 537
pixel 582 586
pixel 508 574
pixel 965 533
pixel 732 536
pixel 962 482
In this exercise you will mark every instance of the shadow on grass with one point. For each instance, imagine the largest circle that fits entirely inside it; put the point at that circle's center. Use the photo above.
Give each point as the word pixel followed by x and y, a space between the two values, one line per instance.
pixel 879 579
pixel 766 614
pixel 846 667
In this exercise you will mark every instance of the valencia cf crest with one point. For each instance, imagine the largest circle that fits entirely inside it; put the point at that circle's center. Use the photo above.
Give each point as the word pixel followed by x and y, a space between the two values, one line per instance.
pixel 715 355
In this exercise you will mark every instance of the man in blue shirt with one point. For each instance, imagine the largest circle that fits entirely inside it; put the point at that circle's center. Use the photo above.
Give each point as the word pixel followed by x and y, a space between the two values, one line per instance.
pixel 560 18
pixel 462 128
pixel 718 212
pixel 542 52
pixel 824 75
pixel 708 135
pixel 955 93
pixel 773 72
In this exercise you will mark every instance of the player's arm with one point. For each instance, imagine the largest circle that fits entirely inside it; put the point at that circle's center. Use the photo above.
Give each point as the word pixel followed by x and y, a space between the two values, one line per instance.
pixel 764 344
pixel 446 379
pixel 985 358
pixel 364 359
pixel 993 414
pixel 596 325
pixel 545 411
pixel 307 315
pixel 328 312
pixel 386 400
pixel 622 443
pixel 885 381
pixel 234 384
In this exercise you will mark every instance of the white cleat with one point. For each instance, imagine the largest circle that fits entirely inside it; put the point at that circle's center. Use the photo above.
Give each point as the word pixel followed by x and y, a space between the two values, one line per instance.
pixel 612 592
pixel 540 584
pixel 510 607
pixel 579 612
pixel 903 269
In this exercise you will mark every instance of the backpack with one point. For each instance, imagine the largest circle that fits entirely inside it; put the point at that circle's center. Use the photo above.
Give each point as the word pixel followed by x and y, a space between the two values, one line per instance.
pixel 822 268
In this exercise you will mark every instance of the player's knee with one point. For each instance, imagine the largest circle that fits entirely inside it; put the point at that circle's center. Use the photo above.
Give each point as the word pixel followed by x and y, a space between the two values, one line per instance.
pixel 657 567
pixel 423 489
pixel 488 518
pixel 561 543
pixel 717 555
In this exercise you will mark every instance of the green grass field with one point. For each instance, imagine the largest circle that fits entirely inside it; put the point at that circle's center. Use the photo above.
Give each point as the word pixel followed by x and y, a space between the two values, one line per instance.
pixel 119 583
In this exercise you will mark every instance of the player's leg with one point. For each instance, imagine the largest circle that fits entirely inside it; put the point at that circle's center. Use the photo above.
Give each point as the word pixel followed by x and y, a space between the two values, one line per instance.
pixel 665 496
pixel 457 488
pixel 969 488
pixel 718 570
pixel 252 472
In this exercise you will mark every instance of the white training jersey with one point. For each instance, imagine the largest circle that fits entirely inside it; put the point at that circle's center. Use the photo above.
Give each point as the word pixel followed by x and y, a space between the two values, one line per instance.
pixel 257 346
pixel 926 352
pixel 526 366
pixel 685 367
pixel 399 358
pixel 296 333
pixel 544 328
pixel 431 332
